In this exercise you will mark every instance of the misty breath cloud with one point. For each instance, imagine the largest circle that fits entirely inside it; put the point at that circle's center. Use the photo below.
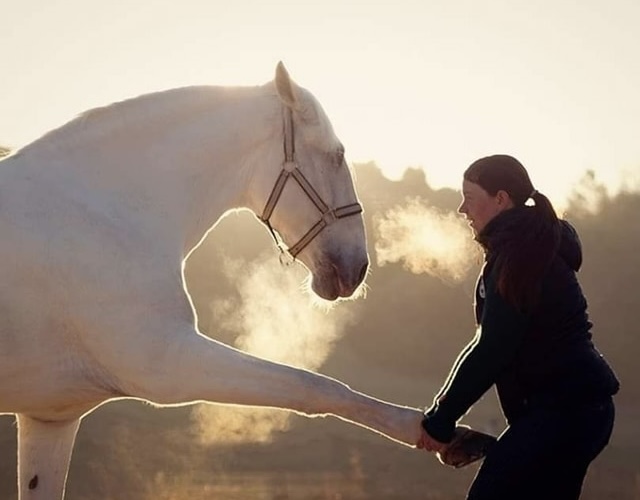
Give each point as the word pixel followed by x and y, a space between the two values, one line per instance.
pixel 425 240
pixel 277 320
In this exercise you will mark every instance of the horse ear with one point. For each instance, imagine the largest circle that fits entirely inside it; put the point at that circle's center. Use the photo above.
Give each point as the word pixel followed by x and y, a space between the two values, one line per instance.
pixel 286 87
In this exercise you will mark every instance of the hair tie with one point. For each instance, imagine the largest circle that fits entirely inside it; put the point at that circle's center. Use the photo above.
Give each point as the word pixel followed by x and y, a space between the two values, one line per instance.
pixel 533 193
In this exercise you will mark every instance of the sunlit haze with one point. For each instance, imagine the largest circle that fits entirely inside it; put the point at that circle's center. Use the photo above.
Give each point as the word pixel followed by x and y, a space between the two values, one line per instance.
pixel 272 319
pixel 407 83
pixel 425 241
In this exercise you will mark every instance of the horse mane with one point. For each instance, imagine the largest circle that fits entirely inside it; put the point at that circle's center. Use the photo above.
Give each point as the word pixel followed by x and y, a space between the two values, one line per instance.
pixel 150 108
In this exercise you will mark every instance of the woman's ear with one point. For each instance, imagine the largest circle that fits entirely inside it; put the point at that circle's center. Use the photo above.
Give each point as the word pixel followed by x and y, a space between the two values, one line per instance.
pixel 504 200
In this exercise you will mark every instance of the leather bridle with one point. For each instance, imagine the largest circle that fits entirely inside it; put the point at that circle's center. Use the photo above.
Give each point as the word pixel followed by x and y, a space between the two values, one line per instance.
pixel 290 169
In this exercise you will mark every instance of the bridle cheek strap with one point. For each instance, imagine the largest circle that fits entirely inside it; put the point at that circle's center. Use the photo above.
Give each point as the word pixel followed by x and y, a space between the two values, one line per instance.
pixel 327 218
pixel 290 169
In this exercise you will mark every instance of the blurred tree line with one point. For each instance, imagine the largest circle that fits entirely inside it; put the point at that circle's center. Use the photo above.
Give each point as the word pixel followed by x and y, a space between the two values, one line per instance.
pixel 409 328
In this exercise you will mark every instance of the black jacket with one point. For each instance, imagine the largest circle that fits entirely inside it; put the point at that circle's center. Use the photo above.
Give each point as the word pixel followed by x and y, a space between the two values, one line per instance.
pixel 544 357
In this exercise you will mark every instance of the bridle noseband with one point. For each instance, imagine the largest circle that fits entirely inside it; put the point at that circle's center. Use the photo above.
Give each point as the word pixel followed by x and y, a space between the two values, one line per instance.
pixel 290 169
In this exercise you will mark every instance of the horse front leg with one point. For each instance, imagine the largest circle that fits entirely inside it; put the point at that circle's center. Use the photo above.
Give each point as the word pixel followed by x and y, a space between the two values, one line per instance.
pixel 196 368
pixel 44 453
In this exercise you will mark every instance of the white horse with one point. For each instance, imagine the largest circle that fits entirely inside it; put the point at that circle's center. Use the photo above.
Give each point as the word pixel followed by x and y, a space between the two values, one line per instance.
pixel 97 218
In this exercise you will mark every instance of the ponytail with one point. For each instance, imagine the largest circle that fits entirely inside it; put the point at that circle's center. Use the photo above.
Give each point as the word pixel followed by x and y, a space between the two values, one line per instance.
pixel 523 261
pixel 544 207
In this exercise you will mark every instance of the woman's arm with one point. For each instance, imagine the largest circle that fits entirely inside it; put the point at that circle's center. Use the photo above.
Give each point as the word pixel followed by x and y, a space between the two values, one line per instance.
pixel 502 328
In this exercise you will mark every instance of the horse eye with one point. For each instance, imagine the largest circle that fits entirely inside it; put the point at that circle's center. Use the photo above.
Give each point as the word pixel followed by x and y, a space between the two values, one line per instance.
pixel 339 156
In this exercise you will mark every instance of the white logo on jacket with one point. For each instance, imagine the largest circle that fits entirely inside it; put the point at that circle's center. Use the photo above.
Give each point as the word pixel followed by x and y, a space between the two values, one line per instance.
pixel 481 291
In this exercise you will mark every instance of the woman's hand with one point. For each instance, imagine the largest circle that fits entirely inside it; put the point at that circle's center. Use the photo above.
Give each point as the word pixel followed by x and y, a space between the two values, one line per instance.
pixel 426 442
pixel 465 448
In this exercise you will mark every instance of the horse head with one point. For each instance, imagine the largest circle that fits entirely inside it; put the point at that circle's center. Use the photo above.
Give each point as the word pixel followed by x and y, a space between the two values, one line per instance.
pixel 313 204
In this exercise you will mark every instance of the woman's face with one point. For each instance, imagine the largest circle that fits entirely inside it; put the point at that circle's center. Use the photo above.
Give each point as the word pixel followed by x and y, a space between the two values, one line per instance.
pixel 479 207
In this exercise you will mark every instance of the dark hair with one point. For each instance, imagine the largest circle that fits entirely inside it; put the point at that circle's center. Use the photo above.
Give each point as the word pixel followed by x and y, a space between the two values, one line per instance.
pixel 521 261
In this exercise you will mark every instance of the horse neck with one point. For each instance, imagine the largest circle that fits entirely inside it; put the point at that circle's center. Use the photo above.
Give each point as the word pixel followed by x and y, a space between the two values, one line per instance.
pixel 190 153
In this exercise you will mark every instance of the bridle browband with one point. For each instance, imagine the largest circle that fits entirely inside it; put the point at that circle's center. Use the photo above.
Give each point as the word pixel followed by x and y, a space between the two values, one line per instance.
pixel 290 169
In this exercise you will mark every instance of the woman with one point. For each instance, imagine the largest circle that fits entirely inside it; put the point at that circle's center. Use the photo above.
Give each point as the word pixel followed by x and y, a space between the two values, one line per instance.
pixel 533 342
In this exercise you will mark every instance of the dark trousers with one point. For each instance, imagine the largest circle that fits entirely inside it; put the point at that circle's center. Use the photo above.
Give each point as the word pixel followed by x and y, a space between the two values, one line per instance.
pixel 545 454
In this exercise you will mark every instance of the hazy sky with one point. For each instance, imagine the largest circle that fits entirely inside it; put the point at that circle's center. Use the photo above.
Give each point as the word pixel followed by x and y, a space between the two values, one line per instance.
pixel 432 84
